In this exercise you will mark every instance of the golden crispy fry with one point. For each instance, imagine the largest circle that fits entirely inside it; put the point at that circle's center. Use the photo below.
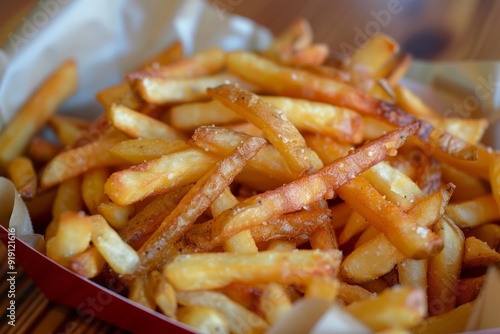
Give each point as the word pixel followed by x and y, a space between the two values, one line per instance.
pixel 165 90
pixel 274 302
pixel 273 122
pixel 478 254
pixel 121 257
pixel 374 54
pixel 239 319
pixel 77 161
pixel 369 233
pixel 413 273
pixel 315 54
pixel 450 322
pixel 320 185
pixel 89 263
pixel 324 287
pixel 42 151
pixel 444 268
pixel 198 199
pixel 478 167
pixel 214 270
pixel 141 150
pixel 138 125
pixel 93 188
pixel 401 307
pixel 355 225
pixel 411 103
pixel 163 293
pixel 467 186
pixel 68 198
pixel 157 176
pixel 121 93
pixel 22 173
pixel 489 233
pixel 139 293
pixel 43 103
pixel 295 38
pixel 146 221
pixel 203 318
pixel 203 63
pixel 72 236
pixel 469 289
pixel 478 211
pixel 397 67
pixel 352 293
pixel 277 79
pixel 116 216
pixel 327 148
pixel 370 260
pixel 66 129
pixel 412 240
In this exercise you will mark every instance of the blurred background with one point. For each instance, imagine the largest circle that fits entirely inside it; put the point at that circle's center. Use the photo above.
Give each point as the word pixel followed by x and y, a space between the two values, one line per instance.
pixel 445 29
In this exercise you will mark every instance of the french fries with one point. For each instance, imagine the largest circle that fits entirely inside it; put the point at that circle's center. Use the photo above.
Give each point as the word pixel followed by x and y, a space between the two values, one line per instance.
pixel 222 208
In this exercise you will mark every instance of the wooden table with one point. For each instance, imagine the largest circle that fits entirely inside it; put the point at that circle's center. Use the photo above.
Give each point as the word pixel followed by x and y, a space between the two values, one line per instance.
pixel 452 29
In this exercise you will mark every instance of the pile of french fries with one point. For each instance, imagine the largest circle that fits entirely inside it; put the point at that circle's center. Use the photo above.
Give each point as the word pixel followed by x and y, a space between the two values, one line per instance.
pixel 220 188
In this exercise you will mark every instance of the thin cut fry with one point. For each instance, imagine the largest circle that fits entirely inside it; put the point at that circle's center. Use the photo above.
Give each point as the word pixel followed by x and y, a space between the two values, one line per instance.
pixel 58 87
pixel 478 254
pixel 215 270
pixel 22 173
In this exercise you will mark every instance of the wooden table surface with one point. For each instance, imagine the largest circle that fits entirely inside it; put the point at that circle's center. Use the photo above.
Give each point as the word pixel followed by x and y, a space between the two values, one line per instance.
pixel 451 30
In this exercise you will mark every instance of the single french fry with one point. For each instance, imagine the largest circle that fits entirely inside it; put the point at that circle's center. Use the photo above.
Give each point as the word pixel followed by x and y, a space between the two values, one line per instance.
pixel 138 125
pixel 15 138
pixel 42 151
pixel 121 93
pixel 140 294
pixel 469 289
pixel 72 236
pixel 22 173
pixel 203 63
pixel 141 150
pixel 413 273
pixel 315 54
pixel 323 287
pixel 398 69
pixel 327 148
pixel 164 90
pixel 374 54
pixel 77 161
pixel 355 224
pixel 116 216
pixel 296 37
pixel 453 321
pixel 198 199
pixel 292 196
pixel 68 198
pixel 411 103
pixel 274 302
pixel 214 270
pixel 146 221
pixel 157 176
pixel 412 240
pixel 89 263
pixel 444 268
pixel 468 186
pixel 67 130
pixel 203 318
pixel 163 293
pixel 93 188
pixel 277 79
pixel 239 319
pixel 401 307
pixel 122 258
pixel 477 253
pixel 370 260
pixel 489 233
pixel 352 293
pixel 170 54
pixel 273 122
pixel 475 212
pixel 369 233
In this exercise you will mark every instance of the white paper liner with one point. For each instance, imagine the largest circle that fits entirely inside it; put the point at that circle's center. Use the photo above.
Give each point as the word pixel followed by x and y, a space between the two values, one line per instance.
pixel 109 38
